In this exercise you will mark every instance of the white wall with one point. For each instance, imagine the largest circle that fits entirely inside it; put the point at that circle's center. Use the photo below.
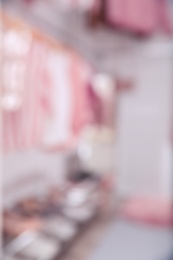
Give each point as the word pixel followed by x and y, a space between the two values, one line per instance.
pixel 143 144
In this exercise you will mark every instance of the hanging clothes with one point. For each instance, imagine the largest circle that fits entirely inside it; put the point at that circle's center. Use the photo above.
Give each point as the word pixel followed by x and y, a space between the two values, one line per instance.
pixel 70 109
pixel 81 73
pixel 44 91
pixel 135 15
pixel 165 16
pixel 139 16
pixel 54 107
pixel 37 100
pixel 96 107
pixel 22 128
pixel 144 16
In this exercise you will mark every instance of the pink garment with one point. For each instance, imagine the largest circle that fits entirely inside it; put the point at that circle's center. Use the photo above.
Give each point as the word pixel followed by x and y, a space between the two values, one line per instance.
pixel 58 130
pixel 69 80
pixel 96 6
pixel 80 76
pixel 96 106
pixel 143 16
pixel 165 21
pixel 137 15
pixel 149 211
pixel 22 129
pixel 54 108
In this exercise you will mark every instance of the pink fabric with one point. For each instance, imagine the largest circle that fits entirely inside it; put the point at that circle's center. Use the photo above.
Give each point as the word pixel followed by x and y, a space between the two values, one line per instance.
pixel 54 109
pixel 96 6
pixel 132 14
pixel 96 106
pixel 58 128
pixel 37 100
pixel 80 75
pixel 151 211
pixel 164 17
pixel 143 16
pixel 22 129
pixel 8 138
pixel 69 77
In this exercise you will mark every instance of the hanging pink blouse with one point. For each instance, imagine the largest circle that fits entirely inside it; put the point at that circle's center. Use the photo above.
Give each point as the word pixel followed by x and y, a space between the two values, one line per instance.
pixel 70 109
pixel 22 129
pixel 37 99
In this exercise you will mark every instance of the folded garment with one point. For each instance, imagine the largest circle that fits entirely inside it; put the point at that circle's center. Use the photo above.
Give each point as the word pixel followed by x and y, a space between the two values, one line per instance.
pixel 151 211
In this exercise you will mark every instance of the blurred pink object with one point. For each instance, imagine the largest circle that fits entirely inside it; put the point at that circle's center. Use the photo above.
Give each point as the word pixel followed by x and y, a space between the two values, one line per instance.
pixel 96 106
pixel 80 75
pixel 69 75
pixel 165 21
pixel 23 128
pixel 151 211
pixel 54 103
pixel 140 16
